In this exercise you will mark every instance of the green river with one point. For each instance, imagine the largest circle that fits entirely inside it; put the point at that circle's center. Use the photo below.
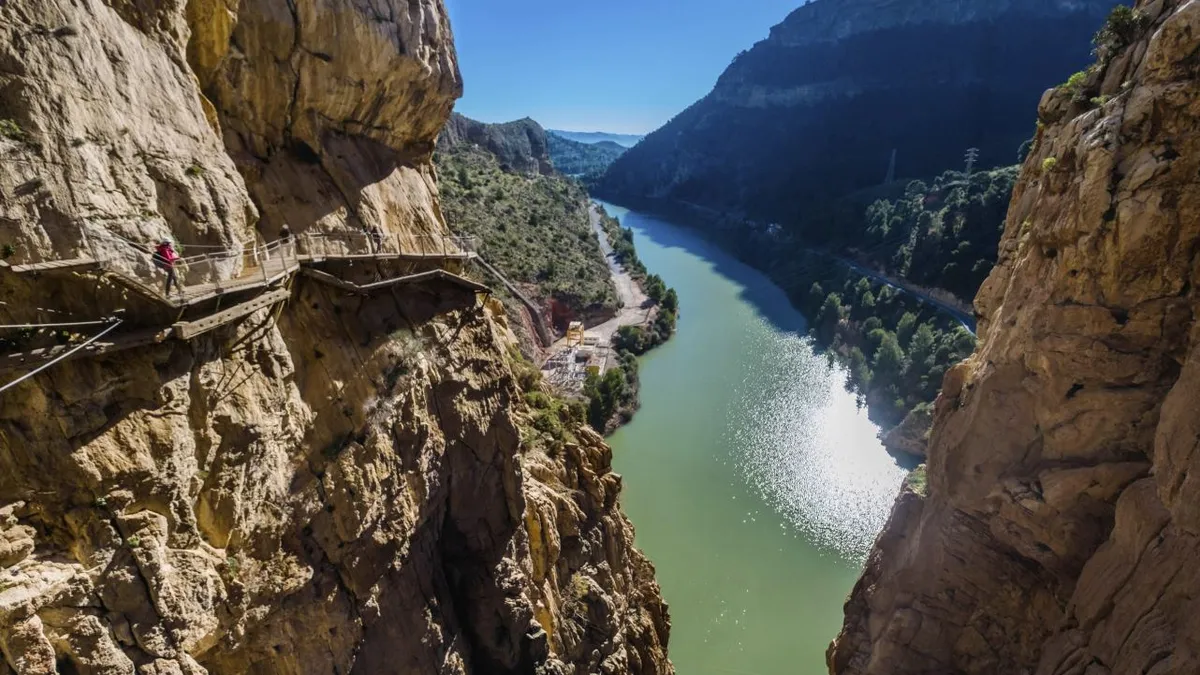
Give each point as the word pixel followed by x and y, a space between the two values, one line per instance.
pixel 755 482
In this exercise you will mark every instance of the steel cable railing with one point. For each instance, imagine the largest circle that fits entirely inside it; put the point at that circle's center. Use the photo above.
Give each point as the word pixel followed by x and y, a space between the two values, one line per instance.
pixel 252 263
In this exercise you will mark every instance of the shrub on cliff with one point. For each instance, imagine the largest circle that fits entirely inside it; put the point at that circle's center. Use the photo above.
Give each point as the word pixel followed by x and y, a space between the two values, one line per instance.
pixel 1125 25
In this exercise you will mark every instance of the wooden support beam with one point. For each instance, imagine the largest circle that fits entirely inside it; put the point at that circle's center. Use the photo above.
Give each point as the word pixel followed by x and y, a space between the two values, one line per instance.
pixel 43 354
pixel 54 265
pixel 432 275
pixel 187 330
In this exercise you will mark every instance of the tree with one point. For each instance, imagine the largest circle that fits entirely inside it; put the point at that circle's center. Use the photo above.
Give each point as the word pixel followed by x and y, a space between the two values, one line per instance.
pixel 860 373
pixel 921 346
pixel 816 295
pixel 904 329
pixel 655 288
pixel 670 301
pixel 832 310
pixel 862 287
pixel 889 359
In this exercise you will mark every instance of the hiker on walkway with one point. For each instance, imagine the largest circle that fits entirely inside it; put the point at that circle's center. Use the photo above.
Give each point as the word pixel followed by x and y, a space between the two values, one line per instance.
pixel 165 258
pixel 376 238
pixel 285 242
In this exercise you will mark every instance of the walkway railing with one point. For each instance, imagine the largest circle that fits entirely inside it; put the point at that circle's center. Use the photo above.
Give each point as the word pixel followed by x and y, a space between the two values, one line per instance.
pixel 198 276
pixel 365 244
pixel 251 264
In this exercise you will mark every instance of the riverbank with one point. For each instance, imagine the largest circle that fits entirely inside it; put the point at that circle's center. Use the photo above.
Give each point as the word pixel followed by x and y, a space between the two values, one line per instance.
pixel 598 363
pixel 895 340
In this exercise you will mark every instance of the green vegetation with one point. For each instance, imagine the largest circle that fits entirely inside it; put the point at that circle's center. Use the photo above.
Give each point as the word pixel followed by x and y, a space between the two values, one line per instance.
pixel 194 170
pixel 613 397
pixel 554 416
pixel 1078 86
pixel 918 481
pixel 944 234
pixel 134 541
pixel 11 130
pixel 1125 24
pixel 638 340
pixel 7 251
pixel 535 229
pixel 1049 164
pixel 896 350
pixel 610 400
pixel 587 161
pixel 621 241
pixel 938 234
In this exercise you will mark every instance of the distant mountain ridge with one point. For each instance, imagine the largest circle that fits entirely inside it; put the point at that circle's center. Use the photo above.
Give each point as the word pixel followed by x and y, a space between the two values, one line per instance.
pixel 623 140
pixel 587 161
pixel 815 110
pixel 519 145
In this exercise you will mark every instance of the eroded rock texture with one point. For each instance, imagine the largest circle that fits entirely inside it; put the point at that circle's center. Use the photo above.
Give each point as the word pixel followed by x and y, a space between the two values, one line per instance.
pixel 1061 529
pixel 344 484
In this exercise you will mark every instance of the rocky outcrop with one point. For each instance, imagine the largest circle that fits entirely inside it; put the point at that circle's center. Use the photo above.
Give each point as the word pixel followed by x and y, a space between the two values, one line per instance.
pixel 345 484
pixel 520 145
pixel 815 111
pixel 1061 516
pixel 910 438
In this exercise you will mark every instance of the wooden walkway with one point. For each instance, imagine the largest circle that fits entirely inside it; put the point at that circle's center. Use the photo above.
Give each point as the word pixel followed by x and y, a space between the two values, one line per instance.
pixel 269 267
pixel 184 330
pixel 200 279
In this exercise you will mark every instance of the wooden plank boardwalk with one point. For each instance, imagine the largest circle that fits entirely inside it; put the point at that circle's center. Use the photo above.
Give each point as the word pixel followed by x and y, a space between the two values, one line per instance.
pixel 36 356
pixel 73 264
pixel 262 268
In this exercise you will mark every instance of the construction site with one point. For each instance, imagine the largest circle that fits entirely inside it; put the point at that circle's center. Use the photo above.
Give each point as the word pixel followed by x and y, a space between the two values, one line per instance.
pixel 579 353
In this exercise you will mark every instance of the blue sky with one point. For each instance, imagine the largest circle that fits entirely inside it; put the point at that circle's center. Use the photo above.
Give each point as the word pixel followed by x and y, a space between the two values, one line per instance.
pixel 622 66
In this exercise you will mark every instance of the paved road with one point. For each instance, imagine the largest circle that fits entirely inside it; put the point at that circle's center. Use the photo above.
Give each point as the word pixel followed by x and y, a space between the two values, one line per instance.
pixel 634 310
pixel 966 320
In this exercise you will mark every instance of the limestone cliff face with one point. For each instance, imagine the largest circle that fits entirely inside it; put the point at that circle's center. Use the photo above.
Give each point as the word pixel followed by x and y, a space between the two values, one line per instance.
pixel 346 484
pixel 1061 529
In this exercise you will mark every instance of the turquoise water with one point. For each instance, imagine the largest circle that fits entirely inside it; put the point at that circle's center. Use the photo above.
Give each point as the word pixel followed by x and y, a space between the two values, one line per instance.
pixel 754 481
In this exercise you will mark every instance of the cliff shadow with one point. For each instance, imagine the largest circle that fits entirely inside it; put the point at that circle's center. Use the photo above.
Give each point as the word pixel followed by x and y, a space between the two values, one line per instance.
pixel 348 182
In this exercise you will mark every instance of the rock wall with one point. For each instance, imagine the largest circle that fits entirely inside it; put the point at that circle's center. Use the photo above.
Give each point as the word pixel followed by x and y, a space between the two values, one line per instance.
pixel 1061 518
pixel 345 484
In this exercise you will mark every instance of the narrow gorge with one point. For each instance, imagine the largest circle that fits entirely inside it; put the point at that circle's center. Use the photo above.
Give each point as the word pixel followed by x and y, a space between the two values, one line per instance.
pixel 339 480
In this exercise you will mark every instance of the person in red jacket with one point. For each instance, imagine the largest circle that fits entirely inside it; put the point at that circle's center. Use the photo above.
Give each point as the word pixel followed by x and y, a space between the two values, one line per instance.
pixel 165 258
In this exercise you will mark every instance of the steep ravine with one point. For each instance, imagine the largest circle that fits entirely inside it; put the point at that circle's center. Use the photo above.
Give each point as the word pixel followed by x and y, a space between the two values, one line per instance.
pixel 344 484
pixel 1061 526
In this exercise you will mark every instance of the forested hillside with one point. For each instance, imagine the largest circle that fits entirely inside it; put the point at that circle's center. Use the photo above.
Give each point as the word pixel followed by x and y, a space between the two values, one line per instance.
pixel 586 161
pixel 941 234
pixel 532 226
